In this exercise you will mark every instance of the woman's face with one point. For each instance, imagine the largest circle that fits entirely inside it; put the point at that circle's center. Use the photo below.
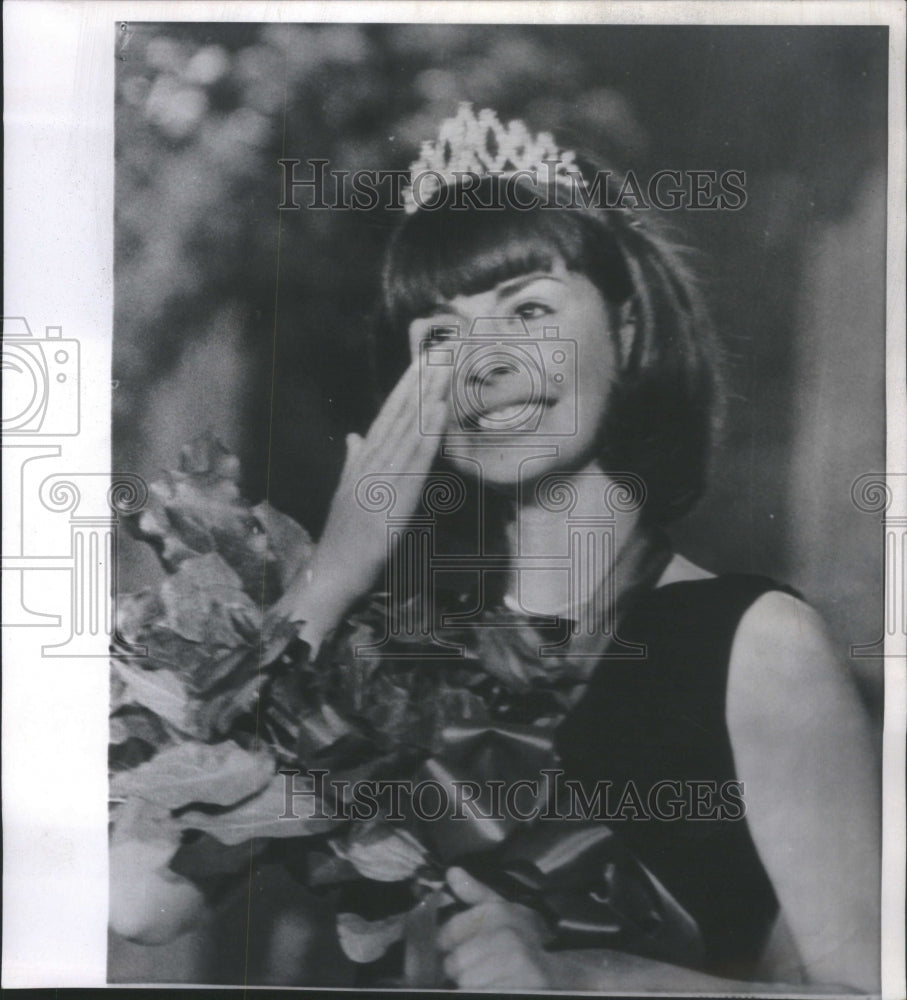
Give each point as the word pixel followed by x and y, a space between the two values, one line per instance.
pixel 531 364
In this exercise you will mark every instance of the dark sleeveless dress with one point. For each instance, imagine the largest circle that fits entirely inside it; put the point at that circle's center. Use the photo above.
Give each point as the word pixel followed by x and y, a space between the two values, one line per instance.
pixel 662 718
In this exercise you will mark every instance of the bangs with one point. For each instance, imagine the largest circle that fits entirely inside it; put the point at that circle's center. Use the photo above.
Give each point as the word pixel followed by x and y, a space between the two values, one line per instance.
pixel 439 254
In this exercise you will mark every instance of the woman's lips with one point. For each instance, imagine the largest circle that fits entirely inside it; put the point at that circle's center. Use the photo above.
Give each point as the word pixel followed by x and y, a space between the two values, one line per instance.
pixel 509 416
pixel 501 417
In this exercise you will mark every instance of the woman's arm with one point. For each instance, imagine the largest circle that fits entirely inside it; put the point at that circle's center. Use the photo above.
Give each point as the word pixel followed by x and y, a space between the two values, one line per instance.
pixel 804 751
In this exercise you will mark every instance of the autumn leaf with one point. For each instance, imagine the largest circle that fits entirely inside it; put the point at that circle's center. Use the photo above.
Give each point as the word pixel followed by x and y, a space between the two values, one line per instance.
pixel 320 728
pixel 206 588
pixel 158 690
pixel 261 817
pixel 206 456
pixel 198 510
pixel 364 940
pixel 137 819
pixel 220 774
pixel 202 667
pixel 135 611
pixel 382 853
pixel 289 543
pixel 328 869
pixel 215 713
pixel 136 722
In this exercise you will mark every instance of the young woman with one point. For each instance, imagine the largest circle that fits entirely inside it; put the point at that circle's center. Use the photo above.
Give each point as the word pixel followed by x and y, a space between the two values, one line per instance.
pixel 739 683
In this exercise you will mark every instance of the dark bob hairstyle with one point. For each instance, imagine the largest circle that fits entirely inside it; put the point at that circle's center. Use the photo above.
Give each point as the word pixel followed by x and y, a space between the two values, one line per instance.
pixel 663 410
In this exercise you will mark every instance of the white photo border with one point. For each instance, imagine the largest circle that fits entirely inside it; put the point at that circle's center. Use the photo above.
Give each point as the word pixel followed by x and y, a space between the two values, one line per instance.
pixel 59 61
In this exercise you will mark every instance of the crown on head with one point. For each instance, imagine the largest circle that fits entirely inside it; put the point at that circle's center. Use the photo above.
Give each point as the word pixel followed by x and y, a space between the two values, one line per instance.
pixel 481 145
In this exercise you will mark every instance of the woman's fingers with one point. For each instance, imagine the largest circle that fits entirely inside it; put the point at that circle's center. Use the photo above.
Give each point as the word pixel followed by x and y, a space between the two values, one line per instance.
pixel 420 391
pixel 486 971
pixel 486 918
pixel 436 403
pixel 404 436
pixel 475 922
pixel 494 943
pixel 478 950
pixel 403 396
pixel 498 958
pixel 469 889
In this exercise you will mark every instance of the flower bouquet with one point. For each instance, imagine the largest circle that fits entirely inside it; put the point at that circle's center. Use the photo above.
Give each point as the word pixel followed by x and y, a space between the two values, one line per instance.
pixel 373 763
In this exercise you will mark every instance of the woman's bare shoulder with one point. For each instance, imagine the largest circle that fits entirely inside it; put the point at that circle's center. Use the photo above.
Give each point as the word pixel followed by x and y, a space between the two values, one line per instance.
pixel 783 638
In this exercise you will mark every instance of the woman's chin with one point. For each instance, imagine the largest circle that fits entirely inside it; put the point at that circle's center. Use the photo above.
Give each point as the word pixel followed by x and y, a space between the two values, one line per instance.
pixel 506 462
pixel 492 467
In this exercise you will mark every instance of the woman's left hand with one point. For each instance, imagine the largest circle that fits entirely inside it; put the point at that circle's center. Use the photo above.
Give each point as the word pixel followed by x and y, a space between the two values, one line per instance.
pixel 494 944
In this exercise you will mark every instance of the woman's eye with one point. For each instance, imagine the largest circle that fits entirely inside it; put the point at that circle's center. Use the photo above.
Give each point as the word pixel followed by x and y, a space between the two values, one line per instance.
pixel 533 310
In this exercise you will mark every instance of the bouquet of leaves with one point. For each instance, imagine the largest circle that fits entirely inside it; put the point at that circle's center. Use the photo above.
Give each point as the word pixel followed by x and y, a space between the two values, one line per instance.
pixel 226 709
pixel 224 699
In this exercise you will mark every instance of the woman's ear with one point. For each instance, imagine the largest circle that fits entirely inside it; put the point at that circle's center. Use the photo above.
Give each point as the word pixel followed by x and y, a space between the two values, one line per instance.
pixel 626 329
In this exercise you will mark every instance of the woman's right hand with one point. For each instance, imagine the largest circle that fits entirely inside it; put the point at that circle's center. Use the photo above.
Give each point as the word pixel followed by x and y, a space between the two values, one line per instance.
pixel 352 550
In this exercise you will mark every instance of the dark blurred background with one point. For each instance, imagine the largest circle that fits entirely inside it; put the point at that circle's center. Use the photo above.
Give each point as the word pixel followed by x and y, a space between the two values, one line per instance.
pixel 214 284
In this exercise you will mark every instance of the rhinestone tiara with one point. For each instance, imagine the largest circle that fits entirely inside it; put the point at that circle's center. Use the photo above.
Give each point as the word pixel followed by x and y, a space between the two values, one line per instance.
pixel 471 143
